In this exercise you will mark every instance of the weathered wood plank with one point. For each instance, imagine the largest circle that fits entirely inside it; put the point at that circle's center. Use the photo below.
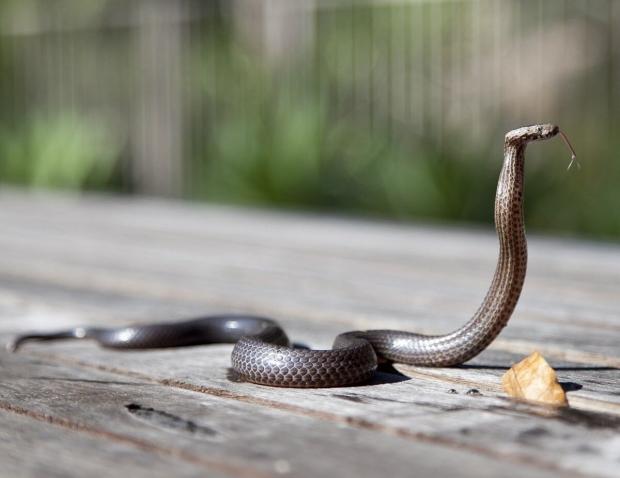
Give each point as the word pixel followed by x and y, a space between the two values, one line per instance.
pixel 373 286
pixel 30 446
pixel 595 381
pixel 108 261
pixel 231 436
pixel 259 296
pixel 96 308
pixel 421 408
pixel 105 308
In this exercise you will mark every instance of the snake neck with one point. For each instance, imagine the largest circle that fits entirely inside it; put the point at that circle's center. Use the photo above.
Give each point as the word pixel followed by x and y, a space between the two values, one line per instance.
pixel 503 294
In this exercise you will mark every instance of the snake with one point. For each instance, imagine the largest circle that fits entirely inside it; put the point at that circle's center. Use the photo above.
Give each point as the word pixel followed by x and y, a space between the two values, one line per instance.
pixel 263 354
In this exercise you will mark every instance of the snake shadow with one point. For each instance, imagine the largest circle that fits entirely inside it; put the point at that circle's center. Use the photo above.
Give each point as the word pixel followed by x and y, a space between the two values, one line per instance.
pixel 386 373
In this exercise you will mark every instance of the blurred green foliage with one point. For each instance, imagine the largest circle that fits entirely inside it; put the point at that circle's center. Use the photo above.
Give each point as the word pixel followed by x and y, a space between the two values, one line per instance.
pixel 66 151
pixel 294 137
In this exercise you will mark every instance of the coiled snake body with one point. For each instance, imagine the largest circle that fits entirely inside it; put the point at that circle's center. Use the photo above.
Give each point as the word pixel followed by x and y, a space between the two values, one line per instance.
pixel 262 353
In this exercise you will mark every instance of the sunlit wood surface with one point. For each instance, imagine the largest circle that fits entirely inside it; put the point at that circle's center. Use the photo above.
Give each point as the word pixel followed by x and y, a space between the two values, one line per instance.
pixel 73 409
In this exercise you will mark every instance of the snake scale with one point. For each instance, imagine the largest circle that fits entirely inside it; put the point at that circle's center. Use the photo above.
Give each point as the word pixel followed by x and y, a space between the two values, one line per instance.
pixel 262 353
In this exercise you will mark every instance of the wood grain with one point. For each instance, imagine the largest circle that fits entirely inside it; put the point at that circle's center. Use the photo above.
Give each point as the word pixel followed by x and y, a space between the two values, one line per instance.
pixel 218 432
pixel 31 446
pixel 96 260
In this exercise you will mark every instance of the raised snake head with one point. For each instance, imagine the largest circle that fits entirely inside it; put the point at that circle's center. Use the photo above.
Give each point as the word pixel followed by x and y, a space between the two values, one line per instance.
pixel 531 133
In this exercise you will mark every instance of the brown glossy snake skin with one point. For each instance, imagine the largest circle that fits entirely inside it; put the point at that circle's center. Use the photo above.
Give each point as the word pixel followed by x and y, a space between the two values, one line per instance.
pixel 262 353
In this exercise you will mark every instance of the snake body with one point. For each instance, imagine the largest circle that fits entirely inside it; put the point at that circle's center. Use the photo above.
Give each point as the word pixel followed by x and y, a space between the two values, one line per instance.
pixel 262 353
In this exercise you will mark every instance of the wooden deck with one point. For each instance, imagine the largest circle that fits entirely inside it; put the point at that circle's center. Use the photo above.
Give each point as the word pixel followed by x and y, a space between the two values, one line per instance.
pixel 73 409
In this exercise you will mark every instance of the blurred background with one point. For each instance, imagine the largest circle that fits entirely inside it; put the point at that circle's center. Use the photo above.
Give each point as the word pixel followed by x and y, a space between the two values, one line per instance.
pixel 391 109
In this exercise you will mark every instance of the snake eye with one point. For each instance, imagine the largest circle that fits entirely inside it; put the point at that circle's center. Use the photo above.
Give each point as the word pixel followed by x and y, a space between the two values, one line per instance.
pixel 540 130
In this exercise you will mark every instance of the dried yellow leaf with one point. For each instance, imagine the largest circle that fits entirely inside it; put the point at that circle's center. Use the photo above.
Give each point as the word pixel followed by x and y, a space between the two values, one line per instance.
pixel 533 379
